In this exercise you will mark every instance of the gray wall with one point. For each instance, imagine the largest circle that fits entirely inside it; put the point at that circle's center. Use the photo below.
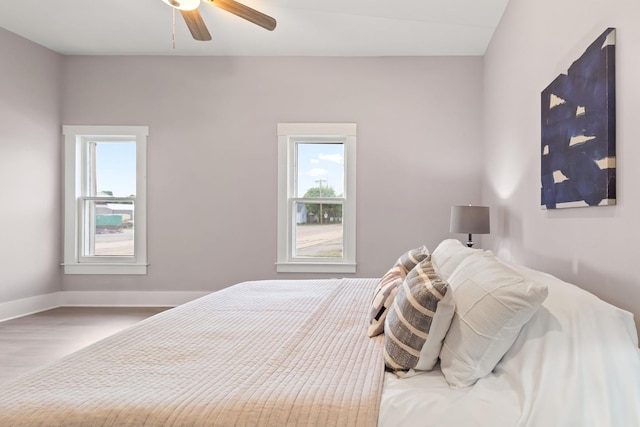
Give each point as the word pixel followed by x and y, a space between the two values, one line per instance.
pixel 213 153
pixel 595 248
pixel 30 172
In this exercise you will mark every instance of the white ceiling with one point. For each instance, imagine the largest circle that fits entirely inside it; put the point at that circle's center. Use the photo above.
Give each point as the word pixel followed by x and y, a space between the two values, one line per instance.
pixel 305 27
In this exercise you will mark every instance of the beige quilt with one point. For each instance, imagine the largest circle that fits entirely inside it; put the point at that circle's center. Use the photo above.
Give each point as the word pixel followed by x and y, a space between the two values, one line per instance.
pixel 265 353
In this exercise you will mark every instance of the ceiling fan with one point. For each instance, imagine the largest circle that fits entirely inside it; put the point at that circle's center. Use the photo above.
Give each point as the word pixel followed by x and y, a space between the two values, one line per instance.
pixel 189 11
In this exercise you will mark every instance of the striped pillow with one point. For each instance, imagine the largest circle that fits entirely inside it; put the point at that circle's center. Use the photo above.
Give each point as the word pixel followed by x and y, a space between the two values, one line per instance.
pixel 418 320
pixel 388 287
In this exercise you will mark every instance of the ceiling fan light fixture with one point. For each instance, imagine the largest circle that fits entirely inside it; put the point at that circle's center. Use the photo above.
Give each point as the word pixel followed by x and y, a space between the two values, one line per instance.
pixel 183 4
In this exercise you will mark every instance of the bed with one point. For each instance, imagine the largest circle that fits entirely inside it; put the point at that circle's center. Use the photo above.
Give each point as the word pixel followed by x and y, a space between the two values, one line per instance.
pixel 298 352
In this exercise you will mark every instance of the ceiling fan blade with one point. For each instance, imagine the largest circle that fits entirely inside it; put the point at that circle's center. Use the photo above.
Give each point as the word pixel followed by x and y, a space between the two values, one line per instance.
pixel 196 24
pixel 245 12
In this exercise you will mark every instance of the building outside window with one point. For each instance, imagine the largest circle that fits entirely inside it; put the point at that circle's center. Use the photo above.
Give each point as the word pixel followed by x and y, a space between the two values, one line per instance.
pixel 105 199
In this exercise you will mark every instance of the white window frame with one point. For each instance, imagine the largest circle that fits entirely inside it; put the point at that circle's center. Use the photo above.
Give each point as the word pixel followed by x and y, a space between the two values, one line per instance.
pixel 77 143
pixel 289 134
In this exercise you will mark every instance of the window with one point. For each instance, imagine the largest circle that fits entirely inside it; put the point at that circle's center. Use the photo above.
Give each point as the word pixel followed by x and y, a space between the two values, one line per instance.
pixel 105 200
pixel 316 197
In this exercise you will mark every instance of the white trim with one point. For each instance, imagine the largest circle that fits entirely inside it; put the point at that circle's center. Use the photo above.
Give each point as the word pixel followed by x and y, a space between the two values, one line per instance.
pixel 315 267
pixel 36 304
pixel 24 306
pixel 128 298
pixel 104 268
pixel 76 139
pixel 288 135
pixel 317 129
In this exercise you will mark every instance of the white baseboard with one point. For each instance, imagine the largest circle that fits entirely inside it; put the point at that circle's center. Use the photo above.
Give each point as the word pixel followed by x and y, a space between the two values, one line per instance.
pixel 25 306
pixel 127 298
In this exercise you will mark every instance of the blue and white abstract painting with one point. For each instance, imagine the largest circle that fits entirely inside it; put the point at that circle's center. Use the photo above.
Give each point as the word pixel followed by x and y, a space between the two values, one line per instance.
pixel 579 131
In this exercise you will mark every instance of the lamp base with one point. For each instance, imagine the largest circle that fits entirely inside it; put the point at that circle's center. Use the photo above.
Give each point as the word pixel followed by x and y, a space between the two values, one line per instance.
pixel 470 241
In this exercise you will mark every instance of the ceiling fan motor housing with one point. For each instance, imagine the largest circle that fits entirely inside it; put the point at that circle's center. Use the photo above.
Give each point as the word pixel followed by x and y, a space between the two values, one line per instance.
pixel 183 4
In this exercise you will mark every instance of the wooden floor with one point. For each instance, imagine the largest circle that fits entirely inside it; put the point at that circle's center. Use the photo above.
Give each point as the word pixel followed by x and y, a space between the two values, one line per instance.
pixel 38 339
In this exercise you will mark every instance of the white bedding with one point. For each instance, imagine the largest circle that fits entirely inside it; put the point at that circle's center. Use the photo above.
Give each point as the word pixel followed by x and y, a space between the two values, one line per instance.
pixel 576 363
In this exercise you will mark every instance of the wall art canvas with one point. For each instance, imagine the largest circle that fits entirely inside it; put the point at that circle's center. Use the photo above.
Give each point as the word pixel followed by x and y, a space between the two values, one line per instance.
pixel 579 131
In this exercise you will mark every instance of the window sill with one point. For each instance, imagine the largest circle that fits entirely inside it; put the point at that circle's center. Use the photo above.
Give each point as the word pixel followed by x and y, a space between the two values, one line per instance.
pixel 315 267
pixel 86 268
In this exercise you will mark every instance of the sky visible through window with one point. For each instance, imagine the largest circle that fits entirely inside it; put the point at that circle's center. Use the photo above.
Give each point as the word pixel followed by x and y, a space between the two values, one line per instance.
pixel 116 168
pixel 320 165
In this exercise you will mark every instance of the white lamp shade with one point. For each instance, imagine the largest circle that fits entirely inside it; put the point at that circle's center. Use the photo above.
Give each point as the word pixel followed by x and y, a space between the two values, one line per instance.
pixel 470 219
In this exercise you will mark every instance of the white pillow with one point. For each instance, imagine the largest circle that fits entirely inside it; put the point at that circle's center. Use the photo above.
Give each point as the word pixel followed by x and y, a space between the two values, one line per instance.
pixel 449 254
pixel 418 320
pixel 493 302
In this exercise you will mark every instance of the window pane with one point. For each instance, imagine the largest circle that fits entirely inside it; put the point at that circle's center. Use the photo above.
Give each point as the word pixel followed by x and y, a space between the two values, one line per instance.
pixel 109 229
pixel 116 169
pixel 320 170
pixel 319 230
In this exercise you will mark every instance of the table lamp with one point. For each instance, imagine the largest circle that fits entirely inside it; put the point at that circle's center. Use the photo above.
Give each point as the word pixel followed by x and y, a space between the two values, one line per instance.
pixel 470 220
